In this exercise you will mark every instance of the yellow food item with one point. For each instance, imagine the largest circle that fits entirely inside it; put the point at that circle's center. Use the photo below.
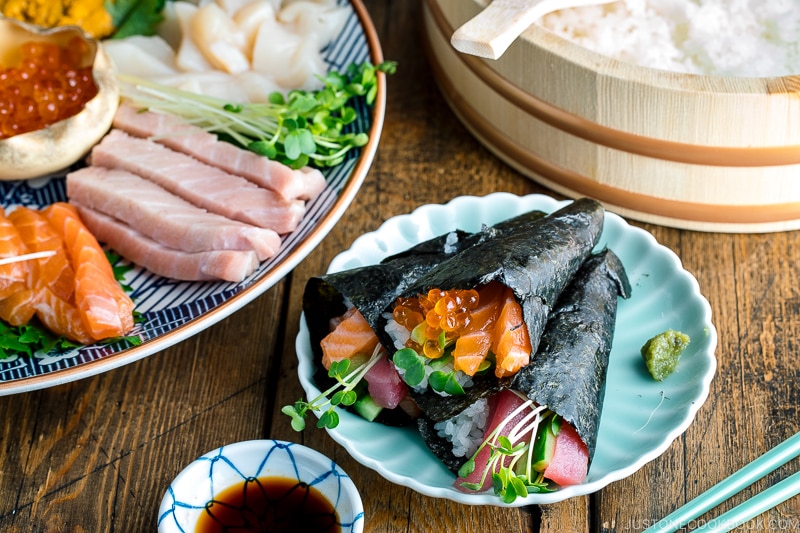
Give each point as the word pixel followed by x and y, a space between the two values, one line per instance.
pixel 90 15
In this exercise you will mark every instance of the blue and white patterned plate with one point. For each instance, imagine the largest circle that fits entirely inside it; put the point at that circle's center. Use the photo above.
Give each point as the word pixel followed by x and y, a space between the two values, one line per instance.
pixel 174 310
pixel 205 478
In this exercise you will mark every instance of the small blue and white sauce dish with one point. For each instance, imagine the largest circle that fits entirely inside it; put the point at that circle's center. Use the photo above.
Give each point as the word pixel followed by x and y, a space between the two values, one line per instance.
pixel 261 486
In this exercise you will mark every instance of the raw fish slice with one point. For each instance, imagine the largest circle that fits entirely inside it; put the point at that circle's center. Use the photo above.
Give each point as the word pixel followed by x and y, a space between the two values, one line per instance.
pixel 474 344
pixel 182 136
pixel 471 350
pixel 13 276
pixel 144 56
pixel 61 317
pixel 18 308
pixel 352 339
pixel 189 57
pixel 385 385
pixel 54 272
pixel 203 185
pixel 228 265
pixel 511 344
pixel 501 406
pixel 164 217
pixel 570 462
pixel 104 307
pixel 568 372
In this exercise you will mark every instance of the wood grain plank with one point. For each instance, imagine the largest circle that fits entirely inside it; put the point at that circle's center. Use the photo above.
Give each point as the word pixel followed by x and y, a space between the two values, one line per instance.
pixel 98 454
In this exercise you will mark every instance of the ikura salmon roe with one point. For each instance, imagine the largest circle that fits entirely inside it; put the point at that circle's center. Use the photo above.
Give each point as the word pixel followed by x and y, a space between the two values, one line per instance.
pixel 434 314
pixel 46 86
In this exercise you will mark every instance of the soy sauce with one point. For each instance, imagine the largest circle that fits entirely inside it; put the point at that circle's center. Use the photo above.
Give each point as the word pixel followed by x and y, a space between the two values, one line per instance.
pixel 269 504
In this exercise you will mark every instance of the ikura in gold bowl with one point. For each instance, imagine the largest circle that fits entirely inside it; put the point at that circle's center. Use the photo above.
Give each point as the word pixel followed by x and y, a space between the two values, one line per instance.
pixel 58 96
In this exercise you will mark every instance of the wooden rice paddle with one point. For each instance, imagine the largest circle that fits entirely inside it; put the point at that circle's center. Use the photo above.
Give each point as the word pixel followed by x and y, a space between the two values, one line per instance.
pixel 489 33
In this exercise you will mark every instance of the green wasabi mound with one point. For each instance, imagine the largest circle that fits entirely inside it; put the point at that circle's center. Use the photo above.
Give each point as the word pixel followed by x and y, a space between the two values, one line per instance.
pixel 662 353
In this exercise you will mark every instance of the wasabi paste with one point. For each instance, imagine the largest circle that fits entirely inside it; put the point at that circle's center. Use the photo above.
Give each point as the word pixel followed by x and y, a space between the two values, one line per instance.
pixel 662 353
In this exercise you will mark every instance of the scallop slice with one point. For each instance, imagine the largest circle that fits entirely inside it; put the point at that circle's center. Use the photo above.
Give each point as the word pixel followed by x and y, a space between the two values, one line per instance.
pixel 218 38
pixel 189 57
pixel 142 56
pixel 249 19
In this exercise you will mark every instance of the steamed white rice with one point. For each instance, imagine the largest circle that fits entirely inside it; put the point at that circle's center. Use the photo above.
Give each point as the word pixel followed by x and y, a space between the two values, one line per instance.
pixel 465 430
pixel 748 38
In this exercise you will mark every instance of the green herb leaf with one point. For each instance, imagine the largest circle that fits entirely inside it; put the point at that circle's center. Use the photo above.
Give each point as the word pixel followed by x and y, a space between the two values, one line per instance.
pixel 516 488
pixel 345 381
pixel 135 17
pixel 445 382
pixel 329 419
pixel 471 486
pixel 27 339
pixel 504 445
pixel 339 368
pixel 467 468
pixel 298 421
pixel 412 363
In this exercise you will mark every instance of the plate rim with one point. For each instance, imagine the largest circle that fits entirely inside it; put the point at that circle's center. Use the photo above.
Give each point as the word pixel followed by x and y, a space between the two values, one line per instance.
pixel 258 287
pixel 305 372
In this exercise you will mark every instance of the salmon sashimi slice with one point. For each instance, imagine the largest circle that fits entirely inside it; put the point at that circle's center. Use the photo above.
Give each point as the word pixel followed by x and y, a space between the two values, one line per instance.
pixel 13 276
pixel 512 344
pixel 61 317
pixel 18 308
pixel 471 350
pixel 485 315
pixel 101 302
pixel 353 339
pixel 54 272
pixel 474 344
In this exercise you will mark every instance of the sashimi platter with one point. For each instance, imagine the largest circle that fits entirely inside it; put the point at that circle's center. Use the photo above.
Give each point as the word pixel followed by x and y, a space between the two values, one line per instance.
pixel 504 350
pixel 174 165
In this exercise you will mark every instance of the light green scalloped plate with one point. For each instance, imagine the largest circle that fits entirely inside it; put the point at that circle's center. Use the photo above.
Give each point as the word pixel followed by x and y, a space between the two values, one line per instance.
pixel 641 417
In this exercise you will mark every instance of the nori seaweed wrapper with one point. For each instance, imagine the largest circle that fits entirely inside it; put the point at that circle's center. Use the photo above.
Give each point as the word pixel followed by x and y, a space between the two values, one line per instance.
pixel 537 264
pixel 568 372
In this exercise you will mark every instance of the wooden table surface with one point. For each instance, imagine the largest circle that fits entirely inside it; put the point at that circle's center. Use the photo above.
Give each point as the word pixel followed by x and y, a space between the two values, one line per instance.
pixel 97 454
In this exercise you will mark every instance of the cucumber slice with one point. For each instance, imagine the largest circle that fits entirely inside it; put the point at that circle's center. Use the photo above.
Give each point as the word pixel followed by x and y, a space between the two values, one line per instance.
pixel 367 408
pixel 544 446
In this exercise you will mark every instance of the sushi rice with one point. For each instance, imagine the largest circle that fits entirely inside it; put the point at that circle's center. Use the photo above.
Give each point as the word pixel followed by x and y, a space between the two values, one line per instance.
pixel 465 430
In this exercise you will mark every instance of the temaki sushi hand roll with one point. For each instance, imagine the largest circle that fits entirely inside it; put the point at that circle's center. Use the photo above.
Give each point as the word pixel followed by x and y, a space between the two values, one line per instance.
pixel 515 280
pixel 551 409
pixel 377 317
pixel 568 373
